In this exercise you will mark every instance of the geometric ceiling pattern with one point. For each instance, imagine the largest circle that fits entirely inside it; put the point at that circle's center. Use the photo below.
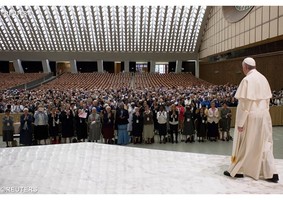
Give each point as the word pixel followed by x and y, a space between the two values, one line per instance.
pixel 100 28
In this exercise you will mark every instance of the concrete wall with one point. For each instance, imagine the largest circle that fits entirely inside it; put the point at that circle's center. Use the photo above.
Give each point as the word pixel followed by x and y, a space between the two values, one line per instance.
pixel 262 23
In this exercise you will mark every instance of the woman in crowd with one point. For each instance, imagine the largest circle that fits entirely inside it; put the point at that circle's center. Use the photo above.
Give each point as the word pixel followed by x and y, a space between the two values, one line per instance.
pixel 154 109
pixel 201 121
pixel 67 119
pixel 162 124
pixel 137 126
pixel 225 122
pixel 53 122
pixel 181 111
pixel 26 131
pixel 8 128
pixel 212 125
pixel 189 130
pixel 94 124
pixel 173 123
pixel 121 122
pixel 148 128
pixel 40 125
pixel 108 125
pixel 81 124
pixel 131 110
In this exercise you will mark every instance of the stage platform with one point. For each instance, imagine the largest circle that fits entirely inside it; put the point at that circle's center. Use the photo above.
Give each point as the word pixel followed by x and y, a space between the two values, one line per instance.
pixel 89 168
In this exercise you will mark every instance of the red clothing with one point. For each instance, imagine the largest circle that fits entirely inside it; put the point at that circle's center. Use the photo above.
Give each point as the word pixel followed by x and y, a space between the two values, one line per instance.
pixel 181 110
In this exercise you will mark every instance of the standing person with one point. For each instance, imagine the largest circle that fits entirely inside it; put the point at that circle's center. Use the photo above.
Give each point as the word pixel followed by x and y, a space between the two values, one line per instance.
pixel 26 128
pixel 225 122
pixel 189 130
pixel 162 123
pixel 94 123
pixel 8 128
pixel 67 120
pixel 73 109
pixel 154 109
pixel 81 124
pixel 95 104
pixel 181 110
pixel 252 153
pixel 131 110
pixel 137 126
pixel 148 128
pixel 201 121
pixel 122 117
pixel 173 123
pixel 53 122
pixel 40 125
pixel 108 125
pixel 212 125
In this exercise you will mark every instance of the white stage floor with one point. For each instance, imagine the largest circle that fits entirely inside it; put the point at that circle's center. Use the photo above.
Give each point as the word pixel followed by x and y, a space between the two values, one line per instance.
pixel 89 168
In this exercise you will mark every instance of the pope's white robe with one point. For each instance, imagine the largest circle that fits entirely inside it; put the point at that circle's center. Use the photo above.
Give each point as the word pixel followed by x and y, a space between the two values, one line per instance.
pixel 252 152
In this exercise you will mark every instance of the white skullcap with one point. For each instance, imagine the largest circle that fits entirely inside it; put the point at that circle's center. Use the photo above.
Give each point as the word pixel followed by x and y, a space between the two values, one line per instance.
pixel 93 108
pixel 249 61
pixel 25 109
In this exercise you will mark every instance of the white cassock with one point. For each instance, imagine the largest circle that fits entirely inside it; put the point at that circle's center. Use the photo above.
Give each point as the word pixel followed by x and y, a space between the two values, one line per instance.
pixel 252 152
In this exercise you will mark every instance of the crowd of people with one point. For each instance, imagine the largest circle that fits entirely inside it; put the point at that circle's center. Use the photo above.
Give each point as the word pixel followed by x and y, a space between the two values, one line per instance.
pixel 120 115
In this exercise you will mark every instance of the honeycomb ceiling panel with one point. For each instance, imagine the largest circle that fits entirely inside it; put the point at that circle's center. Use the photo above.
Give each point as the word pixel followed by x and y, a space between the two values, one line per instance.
pixel 100 28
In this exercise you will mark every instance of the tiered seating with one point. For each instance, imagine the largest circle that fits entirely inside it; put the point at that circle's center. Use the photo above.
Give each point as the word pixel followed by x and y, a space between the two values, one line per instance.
pixel 150 80
pixel 9 80
pixel 90 81
pixel 96 80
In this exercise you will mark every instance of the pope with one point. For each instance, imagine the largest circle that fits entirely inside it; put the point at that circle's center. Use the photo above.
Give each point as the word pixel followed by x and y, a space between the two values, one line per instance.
pixel 252 153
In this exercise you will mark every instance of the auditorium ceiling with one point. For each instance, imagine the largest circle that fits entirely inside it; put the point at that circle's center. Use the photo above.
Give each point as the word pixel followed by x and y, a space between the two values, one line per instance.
pixel 101 29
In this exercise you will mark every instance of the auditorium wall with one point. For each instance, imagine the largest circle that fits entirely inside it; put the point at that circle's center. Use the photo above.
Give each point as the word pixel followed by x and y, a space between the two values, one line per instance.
pixel 230 71
pixel 261 24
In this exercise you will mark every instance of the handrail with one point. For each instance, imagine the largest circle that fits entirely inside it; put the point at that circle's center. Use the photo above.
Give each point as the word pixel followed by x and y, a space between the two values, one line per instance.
pixel 32 83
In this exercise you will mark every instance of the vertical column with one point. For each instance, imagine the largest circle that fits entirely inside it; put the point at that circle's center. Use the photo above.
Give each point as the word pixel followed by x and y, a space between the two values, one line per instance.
pixel 152 66
pixel 178 66
pixel 18 66
pixel 126 66
pixel 197 68
pixel 74 68
pixel 100 66
pixel 46 66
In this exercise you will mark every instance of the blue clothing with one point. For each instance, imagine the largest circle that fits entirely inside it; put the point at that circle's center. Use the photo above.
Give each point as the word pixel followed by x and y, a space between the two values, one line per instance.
pixel 123 136
pixel 205 103
pixel 26 129
pixel 98 109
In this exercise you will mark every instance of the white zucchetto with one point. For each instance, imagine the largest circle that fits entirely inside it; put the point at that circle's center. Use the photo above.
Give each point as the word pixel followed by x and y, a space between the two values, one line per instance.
pixel 250 61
